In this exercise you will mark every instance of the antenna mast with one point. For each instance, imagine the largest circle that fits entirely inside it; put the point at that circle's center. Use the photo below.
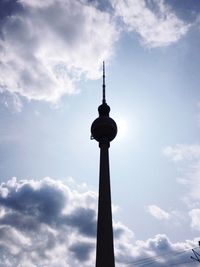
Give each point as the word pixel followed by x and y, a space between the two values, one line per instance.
pixel 104 85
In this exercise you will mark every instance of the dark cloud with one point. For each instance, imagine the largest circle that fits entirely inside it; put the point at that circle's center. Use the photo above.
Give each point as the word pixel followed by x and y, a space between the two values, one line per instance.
pixel 20 221
pixel 44 204
pixel 82 250
pixel 84 220
pixel 28 207
pixel 41 216
pixel 8 8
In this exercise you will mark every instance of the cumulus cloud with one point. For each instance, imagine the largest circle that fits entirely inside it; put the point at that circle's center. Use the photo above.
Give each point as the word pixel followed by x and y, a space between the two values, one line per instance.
pixel 160 251
pixel 153 20
pixel 42 224
pixel 46 46
pixel 48 223
pixel 157 212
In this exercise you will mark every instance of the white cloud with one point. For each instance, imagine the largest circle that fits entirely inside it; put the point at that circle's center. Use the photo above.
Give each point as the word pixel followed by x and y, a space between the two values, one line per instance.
pixel 157 212
pixel 48 45
pixel 195 218
pixel 157 26
pixel 47 223
pixel 187 159
pixel 182 152
pixel 160 251
pixel 11 101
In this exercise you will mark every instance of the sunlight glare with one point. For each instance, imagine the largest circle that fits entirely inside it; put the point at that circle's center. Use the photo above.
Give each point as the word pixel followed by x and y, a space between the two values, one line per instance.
pixel 122 126
pixel 128 128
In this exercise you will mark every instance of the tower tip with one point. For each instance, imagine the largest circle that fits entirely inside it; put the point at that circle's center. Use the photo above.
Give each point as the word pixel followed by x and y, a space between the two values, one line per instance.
pixel 104 85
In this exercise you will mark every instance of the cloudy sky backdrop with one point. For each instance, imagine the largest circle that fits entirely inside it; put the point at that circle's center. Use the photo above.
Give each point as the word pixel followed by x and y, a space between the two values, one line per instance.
pixel 51 55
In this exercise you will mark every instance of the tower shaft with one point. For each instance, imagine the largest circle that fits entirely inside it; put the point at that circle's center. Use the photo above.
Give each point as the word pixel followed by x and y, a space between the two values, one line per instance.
pixel 105 248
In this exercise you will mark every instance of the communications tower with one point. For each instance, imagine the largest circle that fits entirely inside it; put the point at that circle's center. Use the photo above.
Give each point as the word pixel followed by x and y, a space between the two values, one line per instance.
pixel 104 130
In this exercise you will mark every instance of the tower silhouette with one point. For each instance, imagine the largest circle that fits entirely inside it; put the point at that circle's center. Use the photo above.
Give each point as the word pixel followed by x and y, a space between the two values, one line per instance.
pixel 104 130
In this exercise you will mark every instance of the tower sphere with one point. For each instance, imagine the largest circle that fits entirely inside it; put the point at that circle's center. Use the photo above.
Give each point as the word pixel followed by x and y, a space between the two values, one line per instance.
pixel 104 128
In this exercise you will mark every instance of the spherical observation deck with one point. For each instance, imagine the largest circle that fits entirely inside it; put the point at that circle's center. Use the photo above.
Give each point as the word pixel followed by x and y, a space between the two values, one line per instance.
pixel 104 128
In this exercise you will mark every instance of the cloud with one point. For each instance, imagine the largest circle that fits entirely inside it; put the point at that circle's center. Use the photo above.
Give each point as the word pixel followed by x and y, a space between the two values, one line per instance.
pixel 153 20
pixel 157 212
pixel 187 160
pixel 48 223
pixel 11 101
pixel 81 250
pixel 47 46
pixel 160 251
pixel 42 223
pixel 182 152
pixel 195 218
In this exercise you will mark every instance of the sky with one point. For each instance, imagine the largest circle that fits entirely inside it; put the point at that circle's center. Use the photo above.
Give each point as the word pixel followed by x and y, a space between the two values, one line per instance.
pixel 51 55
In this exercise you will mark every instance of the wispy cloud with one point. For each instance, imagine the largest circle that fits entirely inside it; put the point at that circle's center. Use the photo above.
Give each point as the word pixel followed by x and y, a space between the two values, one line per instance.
pixel 11 101
pixel 46 46
pixel 153 20
pixel 187 160
pixel 181 152
pixel 195 218
pixel 157 212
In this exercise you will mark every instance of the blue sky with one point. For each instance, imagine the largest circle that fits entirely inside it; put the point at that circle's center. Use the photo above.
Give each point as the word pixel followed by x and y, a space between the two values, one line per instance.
pixel 51 56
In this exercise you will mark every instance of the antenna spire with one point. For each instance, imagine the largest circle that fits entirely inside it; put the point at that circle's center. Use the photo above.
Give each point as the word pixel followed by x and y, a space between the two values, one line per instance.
pixel 104 85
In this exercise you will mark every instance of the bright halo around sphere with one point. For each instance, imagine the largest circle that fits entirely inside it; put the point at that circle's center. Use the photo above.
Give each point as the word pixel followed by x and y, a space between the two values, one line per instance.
pixel 122 126
pixel 128 128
